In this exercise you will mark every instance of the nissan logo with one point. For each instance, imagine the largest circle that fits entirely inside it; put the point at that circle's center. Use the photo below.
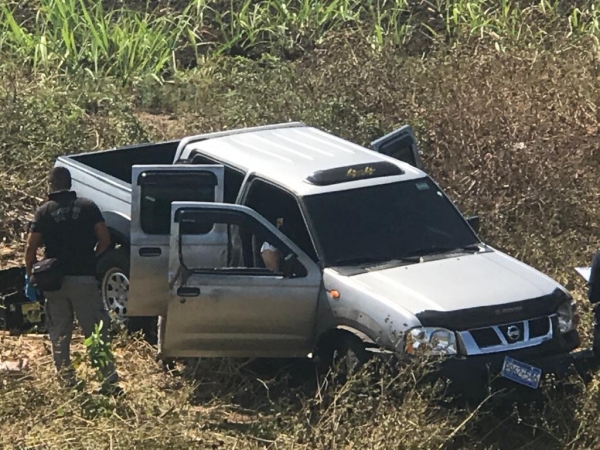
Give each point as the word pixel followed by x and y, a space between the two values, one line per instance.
pixel 513 332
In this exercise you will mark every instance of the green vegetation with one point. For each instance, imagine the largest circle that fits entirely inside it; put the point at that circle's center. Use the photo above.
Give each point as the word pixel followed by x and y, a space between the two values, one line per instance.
pixel 77 35
pixel 99 351
pixel 504 99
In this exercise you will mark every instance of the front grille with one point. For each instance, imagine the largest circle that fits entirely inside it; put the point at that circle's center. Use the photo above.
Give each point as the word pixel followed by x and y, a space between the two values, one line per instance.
pixel 539 327
pixel 486 337
pixel 497 338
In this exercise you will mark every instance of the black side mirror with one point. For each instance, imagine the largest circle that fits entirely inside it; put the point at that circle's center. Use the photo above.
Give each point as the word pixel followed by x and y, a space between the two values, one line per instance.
pixel 474 223
pixel 291 267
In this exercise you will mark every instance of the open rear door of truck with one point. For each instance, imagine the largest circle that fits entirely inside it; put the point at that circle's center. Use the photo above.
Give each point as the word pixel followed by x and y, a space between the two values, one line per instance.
pixel 154 189
pixel 401 145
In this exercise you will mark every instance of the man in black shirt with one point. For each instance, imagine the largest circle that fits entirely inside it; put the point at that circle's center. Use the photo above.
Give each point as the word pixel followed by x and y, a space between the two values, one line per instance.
pixel 72 230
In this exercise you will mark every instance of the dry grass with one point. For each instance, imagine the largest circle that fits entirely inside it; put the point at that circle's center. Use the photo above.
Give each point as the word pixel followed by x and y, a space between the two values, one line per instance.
pixel 210 404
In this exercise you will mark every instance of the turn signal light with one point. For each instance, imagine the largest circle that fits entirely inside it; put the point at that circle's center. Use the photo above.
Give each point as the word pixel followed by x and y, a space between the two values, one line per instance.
pixel 335 294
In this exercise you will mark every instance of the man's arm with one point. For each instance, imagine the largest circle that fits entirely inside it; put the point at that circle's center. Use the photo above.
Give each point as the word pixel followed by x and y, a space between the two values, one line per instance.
pixel 271 259
pixel 34 242
pixel 270 256
pixel 100 228
pixel 103 236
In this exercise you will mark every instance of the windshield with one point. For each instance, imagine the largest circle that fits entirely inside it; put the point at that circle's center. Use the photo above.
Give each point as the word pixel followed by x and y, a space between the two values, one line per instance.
pixel 386 222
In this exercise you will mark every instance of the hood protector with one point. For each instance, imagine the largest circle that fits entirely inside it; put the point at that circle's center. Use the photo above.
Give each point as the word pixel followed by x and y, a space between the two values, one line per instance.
pixel 484 316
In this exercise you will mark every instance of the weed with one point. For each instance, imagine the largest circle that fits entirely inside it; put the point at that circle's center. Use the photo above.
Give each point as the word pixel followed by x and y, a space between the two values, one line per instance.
pixel 98 351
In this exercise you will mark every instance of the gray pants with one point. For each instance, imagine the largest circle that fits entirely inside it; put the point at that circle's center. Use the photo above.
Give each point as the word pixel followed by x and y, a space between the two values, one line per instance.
pixel 80 297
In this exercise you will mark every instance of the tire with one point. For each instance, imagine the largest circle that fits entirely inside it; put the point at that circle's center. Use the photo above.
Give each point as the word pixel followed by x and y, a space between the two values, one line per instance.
pixel 113 274
pixel 343 352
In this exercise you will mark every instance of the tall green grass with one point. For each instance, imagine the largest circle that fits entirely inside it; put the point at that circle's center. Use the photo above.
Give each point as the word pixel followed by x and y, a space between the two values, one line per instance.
pixel 511 22
pixel 73 35
pixel 76 35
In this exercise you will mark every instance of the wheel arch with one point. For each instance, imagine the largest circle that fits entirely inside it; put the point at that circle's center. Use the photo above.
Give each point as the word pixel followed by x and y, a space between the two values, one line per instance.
pixel 340 331
pixel 119 226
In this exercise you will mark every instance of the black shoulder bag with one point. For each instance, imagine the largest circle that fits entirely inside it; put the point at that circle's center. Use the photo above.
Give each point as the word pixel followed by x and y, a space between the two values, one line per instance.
pixel 47 275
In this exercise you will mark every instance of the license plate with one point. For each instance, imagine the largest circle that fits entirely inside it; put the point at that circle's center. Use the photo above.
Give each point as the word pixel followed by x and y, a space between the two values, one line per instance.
pixel 521 373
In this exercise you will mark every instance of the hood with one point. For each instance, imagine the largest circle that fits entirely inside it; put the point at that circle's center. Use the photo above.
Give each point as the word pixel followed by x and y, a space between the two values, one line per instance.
pixel 468 281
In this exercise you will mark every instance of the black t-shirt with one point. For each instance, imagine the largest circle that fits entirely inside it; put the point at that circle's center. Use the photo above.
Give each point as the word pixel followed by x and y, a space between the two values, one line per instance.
pixel 67 223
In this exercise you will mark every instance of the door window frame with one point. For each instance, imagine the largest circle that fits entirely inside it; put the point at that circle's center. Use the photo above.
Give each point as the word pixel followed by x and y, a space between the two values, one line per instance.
pixel 223 217
pixel 143 184
pixel 254 217
pixel 243 198
pixel 396 136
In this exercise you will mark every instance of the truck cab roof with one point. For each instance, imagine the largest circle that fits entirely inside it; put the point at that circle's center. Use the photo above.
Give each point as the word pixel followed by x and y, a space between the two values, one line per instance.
pixel 302 158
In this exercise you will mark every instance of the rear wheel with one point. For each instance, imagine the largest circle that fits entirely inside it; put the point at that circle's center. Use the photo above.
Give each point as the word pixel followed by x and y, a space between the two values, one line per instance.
pixel 113 271
pixel 113 268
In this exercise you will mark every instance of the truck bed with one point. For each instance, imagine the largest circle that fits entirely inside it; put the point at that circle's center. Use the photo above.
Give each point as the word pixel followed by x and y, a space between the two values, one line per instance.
pixel 117 163
pixel 105 176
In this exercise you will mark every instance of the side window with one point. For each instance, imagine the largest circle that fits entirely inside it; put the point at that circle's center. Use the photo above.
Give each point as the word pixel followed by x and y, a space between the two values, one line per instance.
pixel 252 249
pixel 281 209
pixel 233 178
pixel 159 190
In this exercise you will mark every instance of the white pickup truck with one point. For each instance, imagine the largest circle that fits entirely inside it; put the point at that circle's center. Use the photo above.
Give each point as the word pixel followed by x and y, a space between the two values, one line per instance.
pixel 371 254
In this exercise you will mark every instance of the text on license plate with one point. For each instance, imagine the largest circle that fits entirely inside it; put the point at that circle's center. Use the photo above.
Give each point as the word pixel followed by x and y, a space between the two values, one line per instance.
pixel 521 372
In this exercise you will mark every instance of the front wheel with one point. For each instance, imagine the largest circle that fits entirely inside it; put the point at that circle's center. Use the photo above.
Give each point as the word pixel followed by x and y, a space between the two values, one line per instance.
pixel 345 353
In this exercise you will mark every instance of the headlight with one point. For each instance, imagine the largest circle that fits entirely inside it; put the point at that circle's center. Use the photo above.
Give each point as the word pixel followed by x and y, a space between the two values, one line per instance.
pixel 565 315
pixel 430 341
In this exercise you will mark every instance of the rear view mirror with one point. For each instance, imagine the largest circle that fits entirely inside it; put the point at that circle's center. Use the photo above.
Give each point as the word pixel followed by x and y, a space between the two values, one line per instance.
pixel 474 223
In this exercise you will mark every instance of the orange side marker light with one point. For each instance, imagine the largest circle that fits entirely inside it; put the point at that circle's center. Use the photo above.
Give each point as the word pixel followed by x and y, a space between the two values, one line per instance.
pixel 335 294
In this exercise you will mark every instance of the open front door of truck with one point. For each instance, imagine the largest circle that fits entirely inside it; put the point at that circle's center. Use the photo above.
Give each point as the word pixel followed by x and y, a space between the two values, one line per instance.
pixel 400 144
pixel 154 189
pixel 237 308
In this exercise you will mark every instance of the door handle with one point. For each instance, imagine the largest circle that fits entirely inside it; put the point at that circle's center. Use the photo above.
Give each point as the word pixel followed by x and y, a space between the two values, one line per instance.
pixel 186 291
pixel 150 251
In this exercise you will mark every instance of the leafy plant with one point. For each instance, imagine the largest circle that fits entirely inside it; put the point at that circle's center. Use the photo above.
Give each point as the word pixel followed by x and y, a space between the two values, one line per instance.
pixel 98 351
